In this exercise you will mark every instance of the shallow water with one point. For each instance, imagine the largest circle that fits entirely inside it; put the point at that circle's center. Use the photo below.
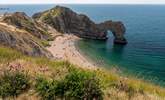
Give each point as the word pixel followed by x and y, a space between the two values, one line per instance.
pixel 144 55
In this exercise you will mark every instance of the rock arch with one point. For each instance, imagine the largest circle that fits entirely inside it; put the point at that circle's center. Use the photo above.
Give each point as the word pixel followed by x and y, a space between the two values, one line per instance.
pixel 117 28
pixel 65 20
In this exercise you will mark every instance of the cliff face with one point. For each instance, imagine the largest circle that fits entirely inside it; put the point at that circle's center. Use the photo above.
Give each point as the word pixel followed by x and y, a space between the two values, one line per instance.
pixel 22 21
pixel 19 32
pixel 66 21
pixel 21 41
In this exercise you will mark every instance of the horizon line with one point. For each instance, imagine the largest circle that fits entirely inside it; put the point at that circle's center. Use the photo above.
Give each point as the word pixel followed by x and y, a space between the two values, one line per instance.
pixel 82 3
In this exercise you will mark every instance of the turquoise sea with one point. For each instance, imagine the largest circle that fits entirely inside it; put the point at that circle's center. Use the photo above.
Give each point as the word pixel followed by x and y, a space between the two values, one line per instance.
pixel 143 56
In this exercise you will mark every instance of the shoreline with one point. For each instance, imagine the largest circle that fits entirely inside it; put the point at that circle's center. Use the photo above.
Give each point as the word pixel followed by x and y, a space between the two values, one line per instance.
pixel 64 48
pixel 94 62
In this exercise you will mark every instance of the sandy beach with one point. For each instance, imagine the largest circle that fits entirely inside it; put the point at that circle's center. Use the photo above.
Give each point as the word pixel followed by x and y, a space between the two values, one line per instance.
pixel 63 48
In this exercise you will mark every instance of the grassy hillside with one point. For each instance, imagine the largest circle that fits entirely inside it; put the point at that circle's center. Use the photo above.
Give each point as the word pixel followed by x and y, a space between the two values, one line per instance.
pixel 41 78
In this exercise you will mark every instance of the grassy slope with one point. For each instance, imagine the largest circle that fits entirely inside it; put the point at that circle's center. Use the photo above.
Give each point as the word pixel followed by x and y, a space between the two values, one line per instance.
pixel 113 85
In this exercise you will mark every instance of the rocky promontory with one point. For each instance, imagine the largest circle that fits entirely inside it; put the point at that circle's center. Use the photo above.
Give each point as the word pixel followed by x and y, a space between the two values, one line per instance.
pixel 65 20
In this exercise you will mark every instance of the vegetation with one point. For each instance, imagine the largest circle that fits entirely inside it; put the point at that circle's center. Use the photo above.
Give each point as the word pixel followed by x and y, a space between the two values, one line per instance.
pixel 13 83
pixel 60 79
pixel 45 43
pixel 47 17
pixel 77 85
pixel 8 54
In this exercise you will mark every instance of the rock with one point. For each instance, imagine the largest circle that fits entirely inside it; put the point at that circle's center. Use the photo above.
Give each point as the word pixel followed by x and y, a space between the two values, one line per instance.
pixel 22 41
pixel 117 28
pixel 65 20
pixel 22 21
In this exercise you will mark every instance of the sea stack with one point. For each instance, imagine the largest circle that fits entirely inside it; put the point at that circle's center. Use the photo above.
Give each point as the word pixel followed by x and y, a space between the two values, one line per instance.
pixel 67 21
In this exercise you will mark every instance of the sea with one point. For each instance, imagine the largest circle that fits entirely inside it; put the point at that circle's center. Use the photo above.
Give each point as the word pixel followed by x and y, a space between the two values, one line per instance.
pixel 144 55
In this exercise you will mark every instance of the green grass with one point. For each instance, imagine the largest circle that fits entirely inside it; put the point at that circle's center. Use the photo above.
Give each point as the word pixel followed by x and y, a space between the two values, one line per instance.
pixel 64 72
pixel 129 85
pixel 9 54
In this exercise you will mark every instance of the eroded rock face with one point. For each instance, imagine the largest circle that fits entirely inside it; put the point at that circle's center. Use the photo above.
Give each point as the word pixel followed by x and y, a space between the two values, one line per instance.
pixel 22 41
pixel 22 21
pixel 66 21
pixel 22 33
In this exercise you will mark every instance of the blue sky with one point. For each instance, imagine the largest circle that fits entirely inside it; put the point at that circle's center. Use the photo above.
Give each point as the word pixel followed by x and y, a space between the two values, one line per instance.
pixel 83 1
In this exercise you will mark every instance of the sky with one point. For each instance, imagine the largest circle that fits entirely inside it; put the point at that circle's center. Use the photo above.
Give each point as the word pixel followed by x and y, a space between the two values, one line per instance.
pixel 82 1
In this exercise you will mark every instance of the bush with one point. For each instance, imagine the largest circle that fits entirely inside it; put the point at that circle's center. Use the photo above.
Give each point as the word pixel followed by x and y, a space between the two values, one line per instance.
pixel 13 83
pixel 77 85
pixel 45 43
pixel 82 85
pixel 47 89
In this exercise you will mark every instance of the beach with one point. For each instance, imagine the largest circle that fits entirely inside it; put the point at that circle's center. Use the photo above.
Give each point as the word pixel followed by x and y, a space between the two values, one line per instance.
pixel 63 48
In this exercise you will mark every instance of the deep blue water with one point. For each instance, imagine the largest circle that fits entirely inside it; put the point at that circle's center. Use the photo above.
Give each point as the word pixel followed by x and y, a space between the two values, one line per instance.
pixel 143 56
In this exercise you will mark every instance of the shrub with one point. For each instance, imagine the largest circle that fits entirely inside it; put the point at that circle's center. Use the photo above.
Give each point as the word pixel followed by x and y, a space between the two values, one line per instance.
pixel 82 85
pixel 45 43
pixel 46 88
pixel 50 38
pixel 13 83
pixel 77 85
